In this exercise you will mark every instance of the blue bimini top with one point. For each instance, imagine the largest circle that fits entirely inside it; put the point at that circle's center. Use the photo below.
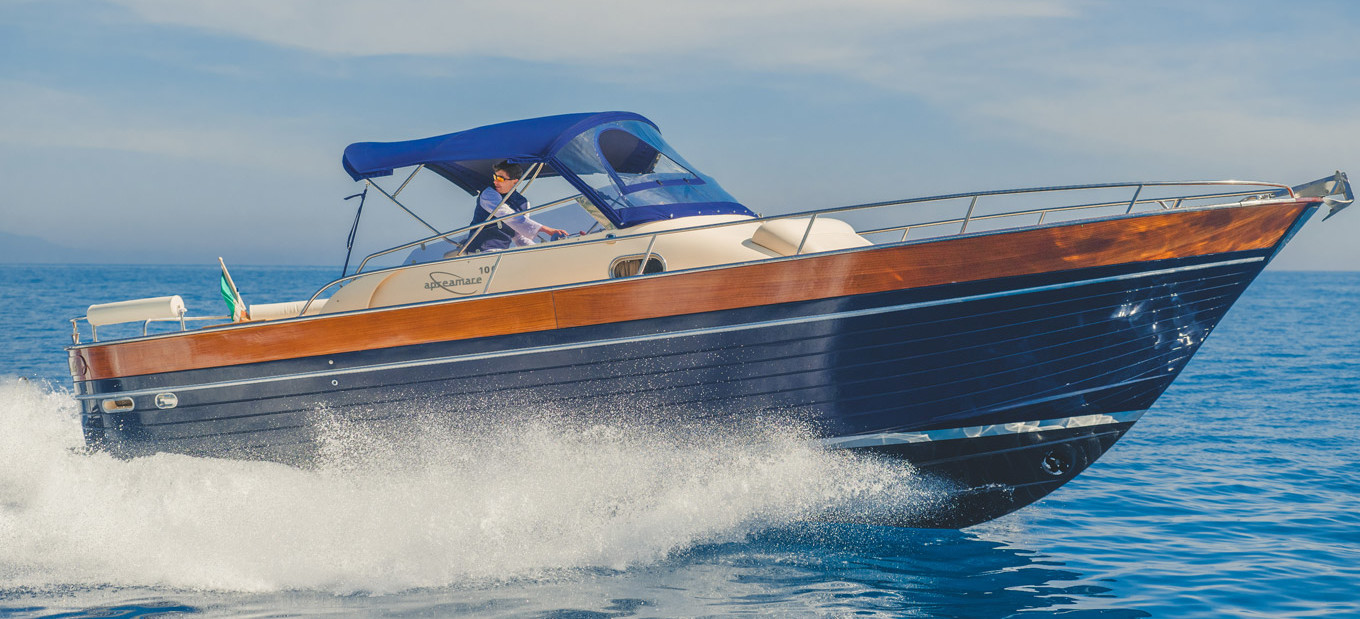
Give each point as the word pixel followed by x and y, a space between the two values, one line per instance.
pixel 616 159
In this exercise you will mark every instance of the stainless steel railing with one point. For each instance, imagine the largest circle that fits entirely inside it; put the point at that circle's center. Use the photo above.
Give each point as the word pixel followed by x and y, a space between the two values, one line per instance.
pixel 1174 201
pixel 1232 189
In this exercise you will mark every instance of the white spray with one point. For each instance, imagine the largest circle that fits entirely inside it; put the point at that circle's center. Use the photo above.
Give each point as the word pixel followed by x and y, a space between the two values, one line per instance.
pixel 530 499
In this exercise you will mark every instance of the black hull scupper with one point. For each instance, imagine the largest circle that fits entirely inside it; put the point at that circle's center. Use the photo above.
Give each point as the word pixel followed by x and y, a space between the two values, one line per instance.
pixel 1003 389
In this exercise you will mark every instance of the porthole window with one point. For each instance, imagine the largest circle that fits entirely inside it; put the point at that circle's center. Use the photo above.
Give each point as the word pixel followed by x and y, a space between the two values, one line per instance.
pixel 627 266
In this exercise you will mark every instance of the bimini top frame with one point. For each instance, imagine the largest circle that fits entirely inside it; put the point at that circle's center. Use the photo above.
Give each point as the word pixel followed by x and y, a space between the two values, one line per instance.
pixel 617 160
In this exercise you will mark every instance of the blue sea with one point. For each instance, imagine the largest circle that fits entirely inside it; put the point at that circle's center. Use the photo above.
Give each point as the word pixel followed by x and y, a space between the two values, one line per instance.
pixel 1238 495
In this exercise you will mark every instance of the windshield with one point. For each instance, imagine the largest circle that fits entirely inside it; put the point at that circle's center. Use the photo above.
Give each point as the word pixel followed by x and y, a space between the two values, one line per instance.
pixel 638 164
pixel 639 176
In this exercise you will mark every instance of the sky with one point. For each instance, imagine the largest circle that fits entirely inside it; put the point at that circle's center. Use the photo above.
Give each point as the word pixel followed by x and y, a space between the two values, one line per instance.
pixel 167 131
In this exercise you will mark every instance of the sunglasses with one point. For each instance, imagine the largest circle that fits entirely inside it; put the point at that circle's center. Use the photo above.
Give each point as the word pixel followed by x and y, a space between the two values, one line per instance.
pixel 500 179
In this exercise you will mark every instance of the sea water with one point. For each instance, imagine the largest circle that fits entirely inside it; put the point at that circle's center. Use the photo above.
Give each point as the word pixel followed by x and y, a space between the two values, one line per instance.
pixel 1237 495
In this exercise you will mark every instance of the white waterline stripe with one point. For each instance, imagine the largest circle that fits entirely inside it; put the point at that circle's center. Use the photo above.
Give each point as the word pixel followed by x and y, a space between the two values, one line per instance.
pixel 671 335
pixel 900 438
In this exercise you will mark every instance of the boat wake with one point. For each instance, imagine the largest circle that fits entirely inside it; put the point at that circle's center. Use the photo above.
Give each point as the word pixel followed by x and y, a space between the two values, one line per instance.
pixel 530 499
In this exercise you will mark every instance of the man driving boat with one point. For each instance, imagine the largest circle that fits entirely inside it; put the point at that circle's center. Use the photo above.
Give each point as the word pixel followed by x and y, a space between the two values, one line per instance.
pixel 500 200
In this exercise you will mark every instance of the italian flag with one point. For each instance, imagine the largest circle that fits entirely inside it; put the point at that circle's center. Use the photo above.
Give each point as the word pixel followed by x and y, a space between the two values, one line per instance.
pixel 236 307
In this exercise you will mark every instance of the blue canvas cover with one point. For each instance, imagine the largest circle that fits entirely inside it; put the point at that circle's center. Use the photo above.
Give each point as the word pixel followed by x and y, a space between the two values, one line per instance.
pixel 617 159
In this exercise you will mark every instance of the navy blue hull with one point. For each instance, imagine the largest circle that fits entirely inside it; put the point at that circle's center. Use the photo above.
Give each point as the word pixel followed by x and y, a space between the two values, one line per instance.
pixel 899 373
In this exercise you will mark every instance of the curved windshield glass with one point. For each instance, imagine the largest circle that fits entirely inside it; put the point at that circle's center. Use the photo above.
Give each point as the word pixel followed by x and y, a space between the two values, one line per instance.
pixel 631 167
pixel 638 164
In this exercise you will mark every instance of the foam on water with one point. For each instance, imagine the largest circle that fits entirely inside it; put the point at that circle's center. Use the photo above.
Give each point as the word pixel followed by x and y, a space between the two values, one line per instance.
pixel 525 500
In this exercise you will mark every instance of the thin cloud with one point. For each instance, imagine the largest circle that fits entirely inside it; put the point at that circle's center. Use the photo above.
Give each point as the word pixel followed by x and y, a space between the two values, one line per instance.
pixel 597 31
pixel 33 116
pixel 1038 67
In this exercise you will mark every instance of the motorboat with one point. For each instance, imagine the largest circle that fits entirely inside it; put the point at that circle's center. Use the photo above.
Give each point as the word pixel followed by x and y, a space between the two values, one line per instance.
pixel 999 341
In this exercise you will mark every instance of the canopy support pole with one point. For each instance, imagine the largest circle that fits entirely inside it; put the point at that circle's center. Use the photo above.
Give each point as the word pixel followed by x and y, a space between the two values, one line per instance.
pixel 403 206
pixel 408 179
pixel 354 229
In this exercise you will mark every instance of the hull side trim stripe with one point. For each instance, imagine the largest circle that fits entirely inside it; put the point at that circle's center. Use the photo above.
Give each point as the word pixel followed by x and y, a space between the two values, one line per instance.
pixel 674 334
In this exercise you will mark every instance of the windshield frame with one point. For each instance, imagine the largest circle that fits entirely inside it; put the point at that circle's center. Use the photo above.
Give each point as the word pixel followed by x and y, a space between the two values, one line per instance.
pixel 681 193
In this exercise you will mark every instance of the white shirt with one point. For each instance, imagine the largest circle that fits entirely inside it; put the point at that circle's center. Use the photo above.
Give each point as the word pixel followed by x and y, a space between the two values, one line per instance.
pixel 525 229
